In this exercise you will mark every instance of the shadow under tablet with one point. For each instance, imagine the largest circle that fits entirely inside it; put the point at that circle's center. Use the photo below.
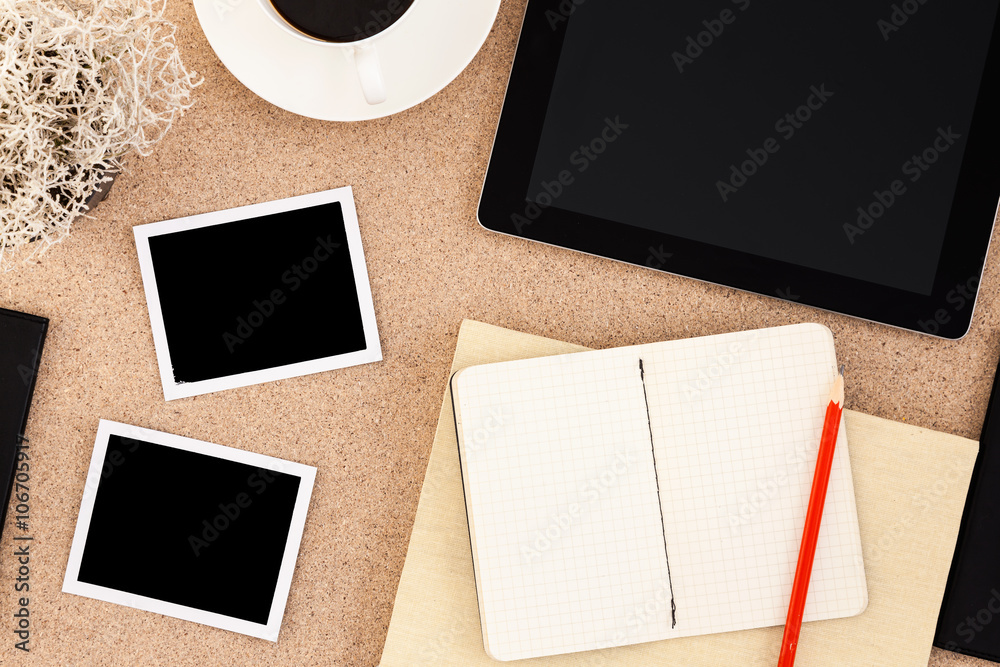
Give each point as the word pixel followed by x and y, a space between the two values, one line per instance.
pixel 189 529
pixel 257 293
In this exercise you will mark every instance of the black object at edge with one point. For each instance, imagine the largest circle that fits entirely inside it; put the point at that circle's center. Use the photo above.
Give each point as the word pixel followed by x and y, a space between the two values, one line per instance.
pixel 983 486
pixel 7 480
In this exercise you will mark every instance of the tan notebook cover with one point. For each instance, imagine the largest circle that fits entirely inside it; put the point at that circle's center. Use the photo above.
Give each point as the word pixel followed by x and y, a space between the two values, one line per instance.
pixel 910 485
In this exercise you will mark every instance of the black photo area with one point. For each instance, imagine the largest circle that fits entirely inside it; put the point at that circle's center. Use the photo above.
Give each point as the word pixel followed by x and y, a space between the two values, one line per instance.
pixel 258 293
pixel 188 528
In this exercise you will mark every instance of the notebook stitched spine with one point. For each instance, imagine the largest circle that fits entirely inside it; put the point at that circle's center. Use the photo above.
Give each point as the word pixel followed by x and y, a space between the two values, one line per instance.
pixel 666 554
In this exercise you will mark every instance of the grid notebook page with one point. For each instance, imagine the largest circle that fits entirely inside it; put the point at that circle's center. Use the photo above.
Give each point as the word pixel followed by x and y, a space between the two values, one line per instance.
pixel 736 422
pixel 564 512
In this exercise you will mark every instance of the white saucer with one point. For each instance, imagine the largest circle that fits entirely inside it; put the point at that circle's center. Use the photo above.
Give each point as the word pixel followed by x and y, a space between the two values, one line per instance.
pixel 430 46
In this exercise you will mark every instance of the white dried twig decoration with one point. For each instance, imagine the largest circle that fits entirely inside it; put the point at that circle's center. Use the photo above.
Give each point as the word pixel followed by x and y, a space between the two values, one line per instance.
pixel 82 84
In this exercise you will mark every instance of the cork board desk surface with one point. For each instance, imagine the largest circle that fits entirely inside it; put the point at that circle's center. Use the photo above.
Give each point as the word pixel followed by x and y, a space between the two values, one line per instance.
pixel 368 429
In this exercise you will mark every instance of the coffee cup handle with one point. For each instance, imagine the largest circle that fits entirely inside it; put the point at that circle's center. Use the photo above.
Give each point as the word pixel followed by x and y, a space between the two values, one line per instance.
pixel 366 62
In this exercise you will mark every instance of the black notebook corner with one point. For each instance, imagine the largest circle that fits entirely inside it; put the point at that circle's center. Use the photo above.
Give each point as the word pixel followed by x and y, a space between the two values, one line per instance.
pixel 21 340
pixel 969 622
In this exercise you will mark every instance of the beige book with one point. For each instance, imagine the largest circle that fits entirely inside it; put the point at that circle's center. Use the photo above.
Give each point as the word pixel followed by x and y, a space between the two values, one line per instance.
pixel 910 485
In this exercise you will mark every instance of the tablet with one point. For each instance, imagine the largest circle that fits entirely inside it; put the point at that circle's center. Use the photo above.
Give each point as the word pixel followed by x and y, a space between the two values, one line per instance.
pixel 837 155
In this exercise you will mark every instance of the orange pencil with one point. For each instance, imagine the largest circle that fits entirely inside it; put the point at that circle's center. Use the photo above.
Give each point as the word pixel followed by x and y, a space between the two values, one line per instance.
pixel 814 515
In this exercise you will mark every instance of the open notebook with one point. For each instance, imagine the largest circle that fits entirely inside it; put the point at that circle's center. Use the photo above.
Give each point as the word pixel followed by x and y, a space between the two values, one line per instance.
pixel 650 492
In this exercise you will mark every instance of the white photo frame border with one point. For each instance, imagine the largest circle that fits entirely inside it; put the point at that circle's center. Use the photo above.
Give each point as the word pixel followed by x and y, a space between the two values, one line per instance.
pixel 373 348
pixel 268 631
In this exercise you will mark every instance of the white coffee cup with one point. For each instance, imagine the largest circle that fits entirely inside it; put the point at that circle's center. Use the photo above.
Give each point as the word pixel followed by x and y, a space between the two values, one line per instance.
pixel 360 53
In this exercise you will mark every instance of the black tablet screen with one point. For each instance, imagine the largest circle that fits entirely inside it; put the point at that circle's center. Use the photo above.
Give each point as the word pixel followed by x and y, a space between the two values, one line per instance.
pixel 824 135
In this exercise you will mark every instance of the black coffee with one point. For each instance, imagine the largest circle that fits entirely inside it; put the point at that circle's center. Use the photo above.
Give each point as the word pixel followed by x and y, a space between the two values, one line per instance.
pixel 341 20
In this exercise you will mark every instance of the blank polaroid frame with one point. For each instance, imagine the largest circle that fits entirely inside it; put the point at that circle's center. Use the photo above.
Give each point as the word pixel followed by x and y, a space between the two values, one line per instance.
pixel 258 293
pixel 160 551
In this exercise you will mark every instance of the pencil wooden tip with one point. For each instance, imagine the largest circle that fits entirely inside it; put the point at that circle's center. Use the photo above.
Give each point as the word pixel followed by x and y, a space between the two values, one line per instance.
pixel 837 391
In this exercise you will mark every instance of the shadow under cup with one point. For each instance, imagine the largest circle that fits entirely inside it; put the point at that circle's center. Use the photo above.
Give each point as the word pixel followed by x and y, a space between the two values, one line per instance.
pixel 341 21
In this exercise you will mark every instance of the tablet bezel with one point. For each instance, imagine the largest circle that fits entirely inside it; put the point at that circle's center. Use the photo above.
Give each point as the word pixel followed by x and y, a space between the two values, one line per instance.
pixel 946 312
